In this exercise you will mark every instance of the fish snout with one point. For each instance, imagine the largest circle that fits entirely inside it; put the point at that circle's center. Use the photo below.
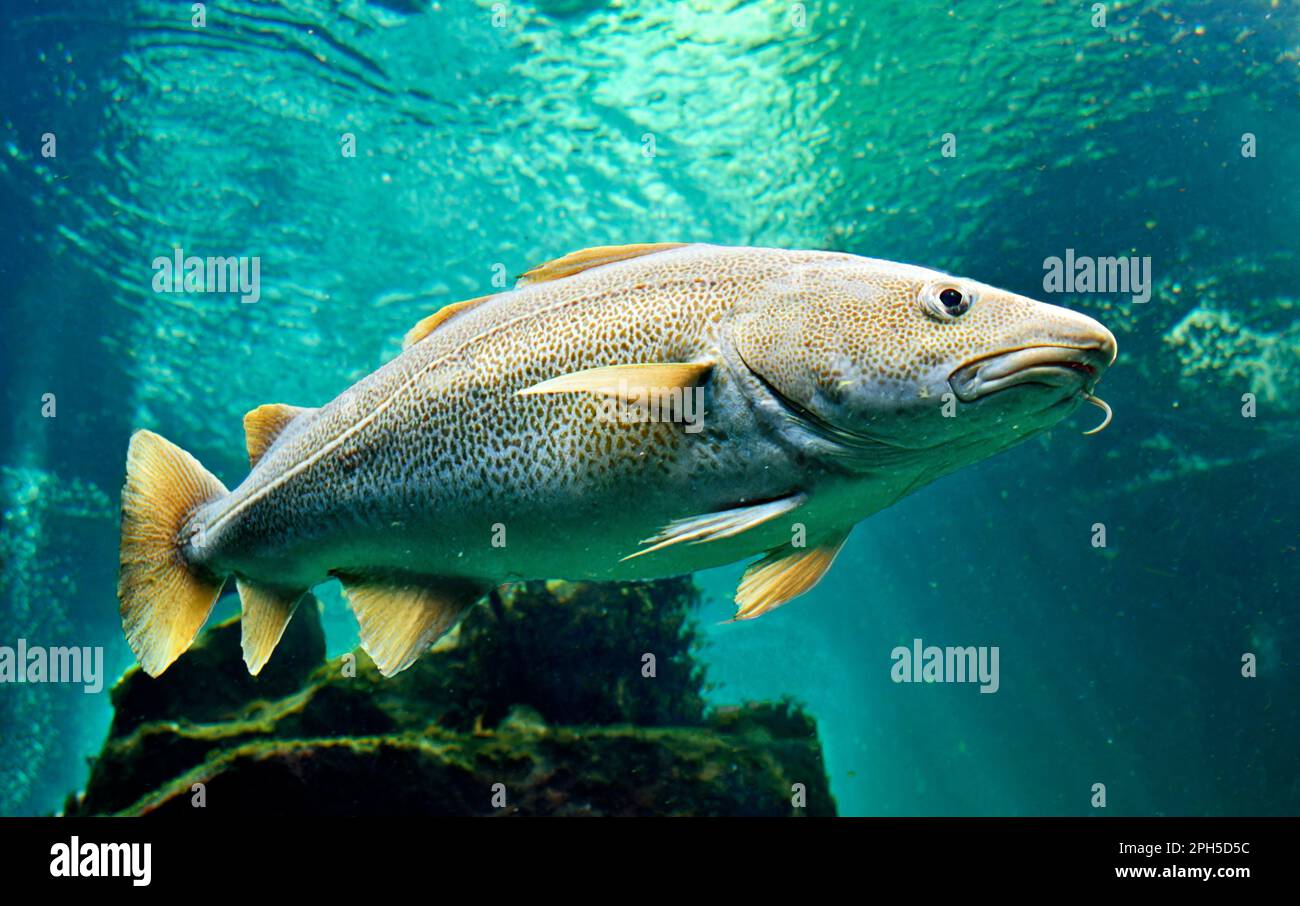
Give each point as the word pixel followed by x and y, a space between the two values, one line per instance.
pixel 1095 341
pixel 1103 339
pixel 1074 363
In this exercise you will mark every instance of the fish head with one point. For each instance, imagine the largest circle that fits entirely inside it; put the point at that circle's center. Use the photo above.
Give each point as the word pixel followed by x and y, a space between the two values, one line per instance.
pixel 864 355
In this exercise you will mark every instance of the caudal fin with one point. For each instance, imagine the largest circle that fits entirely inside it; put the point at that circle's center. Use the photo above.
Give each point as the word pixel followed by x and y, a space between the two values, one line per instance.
pixel 164 599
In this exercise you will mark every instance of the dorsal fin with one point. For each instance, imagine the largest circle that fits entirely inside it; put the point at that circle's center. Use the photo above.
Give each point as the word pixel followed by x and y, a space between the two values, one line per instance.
pixel 576 262
pixel 264 424
pixel 572 263
pixel 426 325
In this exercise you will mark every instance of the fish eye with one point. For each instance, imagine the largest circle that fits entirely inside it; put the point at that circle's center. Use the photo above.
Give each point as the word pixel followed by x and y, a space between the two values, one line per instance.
pixel 947 301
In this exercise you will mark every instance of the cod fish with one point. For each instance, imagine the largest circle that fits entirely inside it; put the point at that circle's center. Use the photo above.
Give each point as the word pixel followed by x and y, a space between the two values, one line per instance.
pixel 623 413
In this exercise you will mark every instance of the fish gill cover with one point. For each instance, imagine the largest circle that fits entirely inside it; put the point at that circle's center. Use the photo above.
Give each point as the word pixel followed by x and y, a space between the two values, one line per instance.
pixel 381 160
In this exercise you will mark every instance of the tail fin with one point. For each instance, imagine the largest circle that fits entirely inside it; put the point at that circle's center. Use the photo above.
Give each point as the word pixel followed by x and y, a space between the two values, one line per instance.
pixel 164 599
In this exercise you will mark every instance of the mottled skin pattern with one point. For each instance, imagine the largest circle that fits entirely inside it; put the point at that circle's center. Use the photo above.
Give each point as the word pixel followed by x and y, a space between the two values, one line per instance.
pixel 829 375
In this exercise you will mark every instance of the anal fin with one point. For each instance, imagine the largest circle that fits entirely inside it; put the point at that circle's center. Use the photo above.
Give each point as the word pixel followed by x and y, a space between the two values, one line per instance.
pixel 722 524
pixel 784 574
pixel 401 616
pixel 266 612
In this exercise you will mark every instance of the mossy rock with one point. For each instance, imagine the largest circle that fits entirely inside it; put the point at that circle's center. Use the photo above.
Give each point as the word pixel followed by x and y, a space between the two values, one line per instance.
pixel 209 682
pixel 539 696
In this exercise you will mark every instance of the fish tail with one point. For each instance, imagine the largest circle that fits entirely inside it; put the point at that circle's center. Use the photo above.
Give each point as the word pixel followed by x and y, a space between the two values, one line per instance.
pixel 164 598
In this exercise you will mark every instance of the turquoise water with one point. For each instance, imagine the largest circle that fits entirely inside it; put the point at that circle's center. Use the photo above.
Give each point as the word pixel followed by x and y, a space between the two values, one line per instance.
pixel 492 137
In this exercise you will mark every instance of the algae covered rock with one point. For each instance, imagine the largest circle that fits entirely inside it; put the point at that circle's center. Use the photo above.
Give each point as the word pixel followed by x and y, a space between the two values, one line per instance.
pixel 550 698
pixel 1214 347
pixel 210 682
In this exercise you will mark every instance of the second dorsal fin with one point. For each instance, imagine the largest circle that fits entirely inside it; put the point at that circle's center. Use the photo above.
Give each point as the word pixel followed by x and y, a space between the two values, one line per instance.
pixel 576 262
pixel 264 424
pixel 426 325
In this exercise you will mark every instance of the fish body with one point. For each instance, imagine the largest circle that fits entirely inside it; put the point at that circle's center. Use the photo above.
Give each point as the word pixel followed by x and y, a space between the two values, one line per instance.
pixel 624 413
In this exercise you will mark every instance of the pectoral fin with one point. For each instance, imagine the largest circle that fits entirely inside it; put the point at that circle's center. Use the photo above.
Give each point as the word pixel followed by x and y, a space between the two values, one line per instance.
pixel 784 574
pixel 629 382
pixel 266 613
pixel 400 617
pixel 722 524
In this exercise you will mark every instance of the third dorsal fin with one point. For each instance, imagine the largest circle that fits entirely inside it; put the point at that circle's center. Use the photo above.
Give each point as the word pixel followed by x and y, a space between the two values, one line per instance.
pixel 264 424
pixel 576 262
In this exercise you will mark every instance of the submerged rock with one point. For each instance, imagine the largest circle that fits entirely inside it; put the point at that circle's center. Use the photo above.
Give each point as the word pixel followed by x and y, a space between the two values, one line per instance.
pixel 551 698
pixel 210 682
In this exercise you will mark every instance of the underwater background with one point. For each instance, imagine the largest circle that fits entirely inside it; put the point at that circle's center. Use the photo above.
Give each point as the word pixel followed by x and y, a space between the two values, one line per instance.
pixel 494 136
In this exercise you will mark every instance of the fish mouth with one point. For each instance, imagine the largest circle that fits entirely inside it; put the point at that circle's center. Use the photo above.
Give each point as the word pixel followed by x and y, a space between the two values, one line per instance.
pixel 1077 367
